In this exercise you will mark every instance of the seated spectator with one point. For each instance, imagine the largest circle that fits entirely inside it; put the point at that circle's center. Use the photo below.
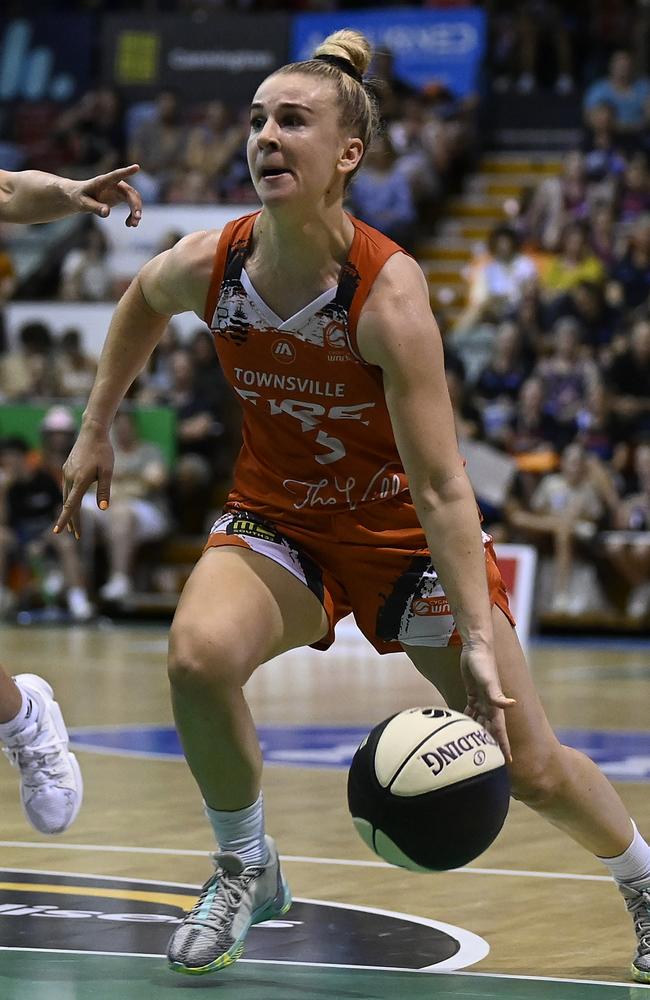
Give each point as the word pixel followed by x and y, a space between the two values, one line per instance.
pixel 199 428
pixel 558 201
pixel 154 384
pixel 407 134
pixel 628 378
pixel 498 384
pixel 600 145
pixel 566 375
pixel 31 504
pixel 158 145
pixel 86 273
pixel 624 90
pixel 605 236
pixel 75 369
pixel 503 275
pixel 137 512
pixel 381 195
pixel 629 284
pixel 574 262
pixel 597 427
pixel 212 142
pixel 567 508
pixel 628 546
pixel 585 303
pixel 27 371
pixel 89 136
pixel 634 193
pixel 533 437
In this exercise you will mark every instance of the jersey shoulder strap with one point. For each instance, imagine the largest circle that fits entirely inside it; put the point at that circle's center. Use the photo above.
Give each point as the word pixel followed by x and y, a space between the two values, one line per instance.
pixel 369 252
pixel 229 258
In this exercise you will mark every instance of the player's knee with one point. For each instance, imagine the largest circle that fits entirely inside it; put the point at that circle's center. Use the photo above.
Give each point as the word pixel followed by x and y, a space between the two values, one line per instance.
pixel 200 660
pixel 536 775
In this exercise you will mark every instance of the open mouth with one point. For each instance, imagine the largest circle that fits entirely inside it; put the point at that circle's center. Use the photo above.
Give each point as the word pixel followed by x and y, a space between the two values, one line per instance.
pixel 275 172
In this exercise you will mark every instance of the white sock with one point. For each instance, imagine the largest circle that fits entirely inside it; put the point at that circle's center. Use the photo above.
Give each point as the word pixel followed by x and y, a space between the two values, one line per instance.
pixel 26 718
pixel 241 831
pixel 632 867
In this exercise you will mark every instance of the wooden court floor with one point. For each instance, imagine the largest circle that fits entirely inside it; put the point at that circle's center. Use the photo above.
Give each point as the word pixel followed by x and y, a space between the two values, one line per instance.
pixel 86 915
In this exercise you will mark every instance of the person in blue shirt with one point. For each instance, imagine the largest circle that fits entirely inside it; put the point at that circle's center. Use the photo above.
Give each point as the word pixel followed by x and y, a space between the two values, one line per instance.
pixel 624 91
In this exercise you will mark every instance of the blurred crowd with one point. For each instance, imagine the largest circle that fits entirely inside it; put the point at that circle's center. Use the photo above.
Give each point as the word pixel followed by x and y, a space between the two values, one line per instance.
pixel 549 363
pixel 157 492
pixel 196 154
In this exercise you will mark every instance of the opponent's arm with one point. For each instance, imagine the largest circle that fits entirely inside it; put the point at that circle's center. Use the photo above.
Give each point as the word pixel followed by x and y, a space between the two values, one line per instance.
pixel 398 333
pixel 31 196
pixel 173 282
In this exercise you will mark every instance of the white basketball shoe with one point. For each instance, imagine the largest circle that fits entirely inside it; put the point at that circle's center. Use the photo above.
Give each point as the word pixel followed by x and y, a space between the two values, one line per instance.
pixel 51 787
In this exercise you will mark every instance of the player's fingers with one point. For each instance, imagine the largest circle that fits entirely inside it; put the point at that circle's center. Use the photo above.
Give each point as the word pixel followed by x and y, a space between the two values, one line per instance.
pixel 114 176
pixel 104 490
pixel 89 204
pixel 134 201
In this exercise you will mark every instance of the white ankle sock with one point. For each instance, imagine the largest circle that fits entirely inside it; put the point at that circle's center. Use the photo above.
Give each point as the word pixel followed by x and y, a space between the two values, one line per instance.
pixel 26 718
pixel 632 866
pixel 241 831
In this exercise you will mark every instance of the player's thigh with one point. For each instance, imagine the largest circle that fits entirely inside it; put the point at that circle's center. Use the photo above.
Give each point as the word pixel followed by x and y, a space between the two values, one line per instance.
pixel 532 741
pixel 237 610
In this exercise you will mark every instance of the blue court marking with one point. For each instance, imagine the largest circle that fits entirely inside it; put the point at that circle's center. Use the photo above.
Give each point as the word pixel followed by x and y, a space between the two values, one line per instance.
pixel 623 756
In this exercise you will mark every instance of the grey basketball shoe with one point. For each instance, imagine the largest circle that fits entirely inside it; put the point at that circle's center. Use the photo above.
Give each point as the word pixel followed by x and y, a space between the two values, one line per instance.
pixel 234 898
pixel 51 787
pixel 638 903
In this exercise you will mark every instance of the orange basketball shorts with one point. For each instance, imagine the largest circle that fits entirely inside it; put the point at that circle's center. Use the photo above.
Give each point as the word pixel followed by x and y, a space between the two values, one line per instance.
pixel 373 562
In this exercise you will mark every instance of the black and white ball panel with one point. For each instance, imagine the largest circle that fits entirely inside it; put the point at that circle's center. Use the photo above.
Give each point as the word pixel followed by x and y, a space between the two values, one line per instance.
pixel 428 789
pixel 424 749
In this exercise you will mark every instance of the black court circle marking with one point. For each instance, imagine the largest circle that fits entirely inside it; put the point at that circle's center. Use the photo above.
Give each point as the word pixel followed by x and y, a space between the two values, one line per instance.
pixel 84 913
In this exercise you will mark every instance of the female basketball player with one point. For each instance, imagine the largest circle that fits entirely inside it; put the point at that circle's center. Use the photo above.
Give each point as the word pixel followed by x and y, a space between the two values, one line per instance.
pixel 31 724
pixel 348 491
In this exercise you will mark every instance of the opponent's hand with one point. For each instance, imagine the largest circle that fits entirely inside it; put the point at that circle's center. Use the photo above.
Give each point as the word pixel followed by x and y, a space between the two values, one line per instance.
pixel 91 460
pixel 99 194
pixel 485 699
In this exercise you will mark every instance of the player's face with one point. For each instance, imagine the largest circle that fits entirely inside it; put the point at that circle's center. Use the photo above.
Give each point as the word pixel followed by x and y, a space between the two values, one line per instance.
pixel 297 149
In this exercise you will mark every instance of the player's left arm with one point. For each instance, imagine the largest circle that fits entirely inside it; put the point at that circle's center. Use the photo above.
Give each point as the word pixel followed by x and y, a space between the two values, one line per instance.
pixel 397 332
pixel 31 196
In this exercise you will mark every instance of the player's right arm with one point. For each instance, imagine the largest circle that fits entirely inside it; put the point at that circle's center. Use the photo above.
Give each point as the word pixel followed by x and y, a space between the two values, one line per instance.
pixel 176 281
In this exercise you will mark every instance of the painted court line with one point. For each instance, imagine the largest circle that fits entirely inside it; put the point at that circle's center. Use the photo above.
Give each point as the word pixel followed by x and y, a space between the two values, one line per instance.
pixel 366 968
pixel 301 859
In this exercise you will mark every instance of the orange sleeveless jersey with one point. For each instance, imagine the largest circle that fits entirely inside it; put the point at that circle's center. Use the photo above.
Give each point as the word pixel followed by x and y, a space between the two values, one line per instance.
pixel 317 436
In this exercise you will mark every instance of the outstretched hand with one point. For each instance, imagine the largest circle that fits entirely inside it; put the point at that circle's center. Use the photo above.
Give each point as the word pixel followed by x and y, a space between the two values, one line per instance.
pixel 486 701
pixel 91 460
pixel 99 194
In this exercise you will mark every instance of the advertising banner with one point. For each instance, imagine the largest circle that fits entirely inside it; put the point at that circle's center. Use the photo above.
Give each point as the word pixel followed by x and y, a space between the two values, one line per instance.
pixel 45 58
pixel 444 46
pixel 223 57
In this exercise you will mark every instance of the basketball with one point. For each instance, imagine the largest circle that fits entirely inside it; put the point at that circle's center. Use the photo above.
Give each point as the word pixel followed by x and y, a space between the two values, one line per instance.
pixel 428 789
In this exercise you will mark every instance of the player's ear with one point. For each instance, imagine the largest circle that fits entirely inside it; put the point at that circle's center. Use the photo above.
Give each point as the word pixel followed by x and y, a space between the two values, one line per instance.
pixel 351 155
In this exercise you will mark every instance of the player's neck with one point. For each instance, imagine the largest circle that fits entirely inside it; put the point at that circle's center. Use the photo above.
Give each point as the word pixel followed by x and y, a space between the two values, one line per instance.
pixel 302 246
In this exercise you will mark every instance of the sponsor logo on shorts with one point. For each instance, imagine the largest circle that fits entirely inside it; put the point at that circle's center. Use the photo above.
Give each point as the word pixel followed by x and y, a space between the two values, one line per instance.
pixel 252 528
pixel 430 607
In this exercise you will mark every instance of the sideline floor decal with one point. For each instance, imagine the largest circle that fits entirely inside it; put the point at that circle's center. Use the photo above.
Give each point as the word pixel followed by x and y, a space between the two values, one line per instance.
pixel 623 756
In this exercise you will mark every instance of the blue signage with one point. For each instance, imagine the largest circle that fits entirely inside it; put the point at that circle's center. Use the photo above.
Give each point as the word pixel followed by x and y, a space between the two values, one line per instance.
pixel 45 58
pixel 444 46
pixel 622 755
